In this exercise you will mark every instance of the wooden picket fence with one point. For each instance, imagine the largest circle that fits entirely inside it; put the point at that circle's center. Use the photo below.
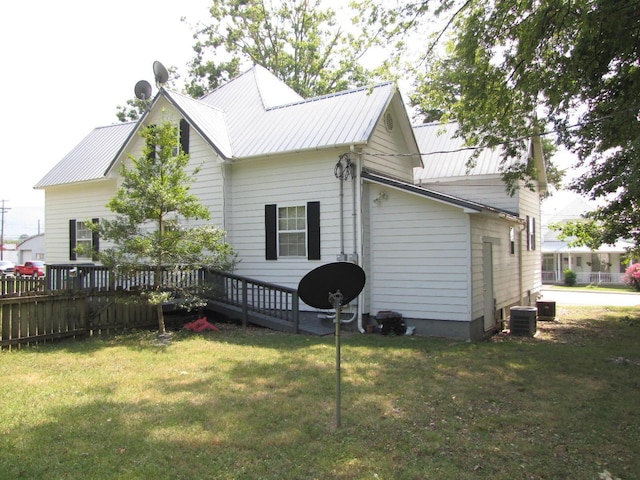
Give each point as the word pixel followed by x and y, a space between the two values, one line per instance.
pixel 40 318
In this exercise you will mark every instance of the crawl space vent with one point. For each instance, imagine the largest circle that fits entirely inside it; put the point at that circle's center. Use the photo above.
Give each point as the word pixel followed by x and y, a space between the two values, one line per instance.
pixel 388 121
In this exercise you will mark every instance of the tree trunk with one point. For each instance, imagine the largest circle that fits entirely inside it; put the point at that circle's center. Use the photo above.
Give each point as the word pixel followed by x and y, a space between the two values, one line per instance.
pixel 161 327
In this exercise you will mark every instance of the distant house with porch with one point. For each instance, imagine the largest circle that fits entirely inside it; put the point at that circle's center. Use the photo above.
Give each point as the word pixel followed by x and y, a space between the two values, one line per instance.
pixel 603 266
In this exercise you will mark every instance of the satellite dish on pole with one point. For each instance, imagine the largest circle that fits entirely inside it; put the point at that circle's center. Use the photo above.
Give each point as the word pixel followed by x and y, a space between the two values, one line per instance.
pixel 346 277
pixel 161 74
pixel 332 286
pixel 143 90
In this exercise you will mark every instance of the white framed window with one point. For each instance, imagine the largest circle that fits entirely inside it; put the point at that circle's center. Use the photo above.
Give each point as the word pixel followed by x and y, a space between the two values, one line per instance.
pixel 292 231
pixel 512 240
pixel 531 233
pixel 83 243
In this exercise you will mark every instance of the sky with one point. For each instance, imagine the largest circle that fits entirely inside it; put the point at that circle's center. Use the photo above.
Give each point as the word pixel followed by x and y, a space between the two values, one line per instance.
pixel 66 66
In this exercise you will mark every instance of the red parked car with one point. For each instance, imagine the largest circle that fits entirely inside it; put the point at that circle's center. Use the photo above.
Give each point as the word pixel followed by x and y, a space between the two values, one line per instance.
pixel 30 269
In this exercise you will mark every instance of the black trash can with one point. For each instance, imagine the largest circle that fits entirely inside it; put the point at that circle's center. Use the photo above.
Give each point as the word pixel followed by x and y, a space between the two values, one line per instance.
pixel 522 321
pixel 391 322
pixel 546 310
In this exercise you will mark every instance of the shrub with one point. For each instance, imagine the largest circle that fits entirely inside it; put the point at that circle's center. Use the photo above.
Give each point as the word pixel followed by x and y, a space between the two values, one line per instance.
pixel 570 278
pixel 632 276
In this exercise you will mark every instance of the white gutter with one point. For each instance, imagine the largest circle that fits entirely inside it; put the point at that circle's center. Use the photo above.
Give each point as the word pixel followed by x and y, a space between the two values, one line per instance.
pixel 357 227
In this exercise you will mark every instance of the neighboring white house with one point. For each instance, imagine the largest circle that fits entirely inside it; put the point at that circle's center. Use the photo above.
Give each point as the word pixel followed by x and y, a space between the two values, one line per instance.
pixel 603 266
pixel 299 183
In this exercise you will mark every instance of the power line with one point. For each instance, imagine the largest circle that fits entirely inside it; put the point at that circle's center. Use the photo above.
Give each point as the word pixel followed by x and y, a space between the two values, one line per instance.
pixel 506 142
pixel 3 210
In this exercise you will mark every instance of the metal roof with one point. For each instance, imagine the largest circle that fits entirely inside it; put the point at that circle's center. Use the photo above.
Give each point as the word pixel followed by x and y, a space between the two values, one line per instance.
pixel 208 120
pixel 255 114
pixel 446 156
pixel 90 158
pixel 265 117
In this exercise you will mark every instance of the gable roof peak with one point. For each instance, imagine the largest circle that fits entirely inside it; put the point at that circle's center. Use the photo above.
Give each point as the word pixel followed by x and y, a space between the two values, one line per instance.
pixel 268 89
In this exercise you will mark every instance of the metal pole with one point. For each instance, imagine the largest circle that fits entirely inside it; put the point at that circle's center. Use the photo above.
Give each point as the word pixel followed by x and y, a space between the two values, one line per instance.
pixel 3 209
pixel 338 380
pixel 336 301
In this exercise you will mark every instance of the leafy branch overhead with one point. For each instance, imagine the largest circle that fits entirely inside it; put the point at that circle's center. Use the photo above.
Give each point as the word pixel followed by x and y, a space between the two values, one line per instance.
pixel 576 65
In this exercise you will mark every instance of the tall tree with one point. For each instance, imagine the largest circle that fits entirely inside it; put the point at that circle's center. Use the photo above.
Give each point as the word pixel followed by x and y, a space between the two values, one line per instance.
pixel 575 64
pixel 299 41
pixel 153 208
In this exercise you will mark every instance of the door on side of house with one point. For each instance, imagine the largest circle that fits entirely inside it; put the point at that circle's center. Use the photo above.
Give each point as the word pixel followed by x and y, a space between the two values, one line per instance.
pixel 487 270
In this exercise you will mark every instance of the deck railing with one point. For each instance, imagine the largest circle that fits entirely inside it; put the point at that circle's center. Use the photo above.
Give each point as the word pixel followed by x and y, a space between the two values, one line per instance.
pixel 255 296
pixel 79 283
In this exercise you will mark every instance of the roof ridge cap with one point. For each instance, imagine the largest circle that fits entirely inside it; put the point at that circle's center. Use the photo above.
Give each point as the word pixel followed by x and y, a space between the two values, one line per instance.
pixel 333 94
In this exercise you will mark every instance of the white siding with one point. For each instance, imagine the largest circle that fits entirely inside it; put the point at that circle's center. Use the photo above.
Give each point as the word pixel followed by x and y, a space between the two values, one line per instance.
pixel 77 201
pixel 506 279
pixel 88 200
pixel 286 181
pixel 487 190
pixel 388 151
pixel 531 260
pixel 420 257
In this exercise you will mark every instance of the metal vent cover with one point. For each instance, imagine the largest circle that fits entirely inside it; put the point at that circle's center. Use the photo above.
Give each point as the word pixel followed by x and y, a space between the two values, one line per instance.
pixel 388 121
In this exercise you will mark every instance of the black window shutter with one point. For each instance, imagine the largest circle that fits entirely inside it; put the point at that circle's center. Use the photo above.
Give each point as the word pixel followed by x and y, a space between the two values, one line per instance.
pixel 95 241
pixel 72 240
pixel 528 232
pixel 313 230
pixel 152 138
pixel 271 232
pixel 184 136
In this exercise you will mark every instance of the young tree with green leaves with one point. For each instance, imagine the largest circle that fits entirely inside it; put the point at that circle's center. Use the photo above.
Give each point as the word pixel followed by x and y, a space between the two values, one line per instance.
pixel 576 65
pixel 153 208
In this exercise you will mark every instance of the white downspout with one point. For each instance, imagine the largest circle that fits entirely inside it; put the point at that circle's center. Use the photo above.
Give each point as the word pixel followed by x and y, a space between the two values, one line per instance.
pixel 358 248
pixel 520 263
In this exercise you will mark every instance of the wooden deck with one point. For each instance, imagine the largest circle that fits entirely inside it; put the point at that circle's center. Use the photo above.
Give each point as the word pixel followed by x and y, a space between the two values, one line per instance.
pixel 308 322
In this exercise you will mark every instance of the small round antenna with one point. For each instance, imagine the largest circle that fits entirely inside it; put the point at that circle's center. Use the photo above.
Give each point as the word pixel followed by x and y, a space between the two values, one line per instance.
pixel 143 90
pixel 161 73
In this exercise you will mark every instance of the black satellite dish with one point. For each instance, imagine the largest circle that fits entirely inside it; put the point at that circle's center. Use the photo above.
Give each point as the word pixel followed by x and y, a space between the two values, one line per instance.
pixel 317 285
pixel 161 74
pixel 143 90
pixel 332 286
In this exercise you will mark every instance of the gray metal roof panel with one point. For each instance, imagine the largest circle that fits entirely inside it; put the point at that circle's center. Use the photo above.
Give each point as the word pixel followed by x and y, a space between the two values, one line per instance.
pixel 338 119
pixel 447 156
pixel 90 158
pixel 208 120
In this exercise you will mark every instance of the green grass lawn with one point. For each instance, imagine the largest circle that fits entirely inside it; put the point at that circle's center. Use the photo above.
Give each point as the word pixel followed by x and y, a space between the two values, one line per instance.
pixel 257 404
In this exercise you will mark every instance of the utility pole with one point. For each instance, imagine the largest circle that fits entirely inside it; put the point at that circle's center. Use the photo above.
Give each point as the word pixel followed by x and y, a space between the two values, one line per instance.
pixel 3 210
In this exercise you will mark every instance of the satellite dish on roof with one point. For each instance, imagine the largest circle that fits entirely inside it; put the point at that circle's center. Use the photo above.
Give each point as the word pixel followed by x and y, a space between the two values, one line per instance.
pixel 161 74
pixel 143 90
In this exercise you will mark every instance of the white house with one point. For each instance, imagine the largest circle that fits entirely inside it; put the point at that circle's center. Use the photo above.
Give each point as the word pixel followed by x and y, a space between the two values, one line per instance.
pixel 606 265
pixel 298 183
